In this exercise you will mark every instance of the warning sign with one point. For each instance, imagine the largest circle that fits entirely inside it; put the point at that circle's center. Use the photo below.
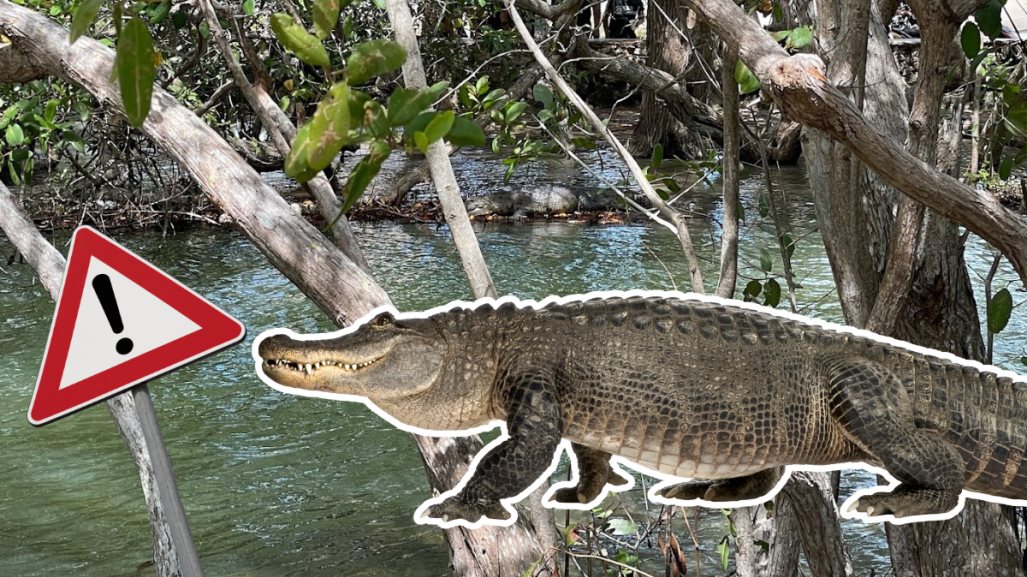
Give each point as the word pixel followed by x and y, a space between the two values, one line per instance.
pixel 119 322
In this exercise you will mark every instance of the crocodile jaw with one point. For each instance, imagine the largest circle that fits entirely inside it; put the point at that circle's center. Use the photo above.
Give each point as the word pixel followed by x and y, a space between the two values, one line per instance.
pixel 388 368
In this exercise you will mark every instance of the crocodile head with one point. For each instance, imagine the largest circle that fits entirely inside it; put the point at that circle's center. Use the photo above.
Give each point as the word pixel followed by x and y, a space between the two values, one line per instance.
pixel 383 360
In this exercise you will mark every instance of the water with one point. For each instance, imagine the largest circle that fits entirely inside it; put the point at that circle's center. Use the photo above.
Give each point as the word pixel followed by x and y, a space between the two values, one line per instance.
pixel 279 485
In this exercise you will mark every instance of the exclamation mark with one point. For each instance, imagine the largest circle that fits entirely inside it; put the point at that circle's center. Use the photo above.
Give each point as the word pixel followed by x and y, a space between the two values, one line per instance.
pixel 105 292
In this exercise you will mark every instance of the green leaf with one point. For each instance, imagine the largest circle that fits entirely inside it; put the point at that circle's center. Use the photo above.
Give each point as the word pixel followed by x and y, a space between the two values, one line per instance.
pixel 789 244
pixel 364 171
pixel 50 111
pixel 999 309
pixel 970 40
pixel 800 37
pixel 159 12
pixel 421 140
pixel 328 127
pixel 622 527
pixel 1006 168
pixel 14 135
pixel 657 159
pixel 247 7
pixel 84 16
pixel 180 19
pixel 989 18
pixel 752 290
pixel 747 81
pixel 326 15
pixel 374 58
pixel 440 125
pixel 766 263
pixel 1016 117
pixel 543 94
pixel 465 133
pixel 772 293
pixel 136 71
pixel 297 40
pixel 406 103
pixel 296 164
pixel 724 551
pixel 514 110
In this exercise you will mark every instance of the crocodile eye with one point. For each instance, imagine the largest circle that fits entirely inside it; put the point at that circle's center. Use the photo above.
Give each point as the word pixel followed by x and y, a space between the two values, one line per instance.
pixel 383 320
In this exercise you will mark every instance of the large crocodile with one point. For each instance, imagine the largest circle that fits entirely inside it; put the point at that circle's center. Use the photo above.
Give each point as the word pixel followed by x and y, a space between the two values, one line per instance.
pixel 685 386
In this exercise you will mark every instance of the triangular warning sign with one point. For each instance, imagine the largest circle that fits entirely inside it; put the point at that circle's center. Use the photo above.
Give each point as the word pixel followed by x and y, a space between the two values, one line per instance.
pixel 119 322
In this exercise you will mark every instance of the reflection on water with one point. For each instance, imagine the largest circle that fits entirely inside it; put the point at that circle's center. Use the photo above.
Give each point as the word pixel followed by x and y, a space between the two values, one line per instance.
pixel 281 485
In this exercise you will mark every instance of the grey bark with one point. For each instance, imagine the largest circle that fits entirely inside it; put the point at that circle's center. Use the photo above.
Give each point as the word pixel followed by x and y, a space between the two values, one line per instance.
pixel 798 85
pixel 665 211
pixel 438 160
pixel 282 131
pixel 729 178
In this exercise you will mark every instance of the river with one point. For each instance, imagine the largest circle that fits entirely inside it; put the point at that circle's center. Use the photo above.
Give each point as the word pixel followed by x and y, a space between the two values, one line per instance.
pixel 279 485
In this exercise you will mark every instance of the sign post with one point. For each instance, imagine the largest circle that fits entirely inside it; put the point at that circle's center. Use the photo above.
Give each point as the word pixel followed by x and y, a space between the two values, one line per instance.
pixel 119 322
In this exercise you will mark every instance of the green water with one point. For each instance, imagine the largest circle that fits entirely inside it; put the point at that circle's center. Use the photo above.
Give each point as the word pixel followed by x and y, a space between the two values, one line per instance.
pixel 280 485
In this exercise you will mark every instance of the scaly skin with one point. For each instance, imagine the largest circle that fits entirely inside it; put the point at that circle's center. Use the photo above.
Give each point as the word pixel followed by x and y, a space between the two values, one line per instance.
pixel 691 388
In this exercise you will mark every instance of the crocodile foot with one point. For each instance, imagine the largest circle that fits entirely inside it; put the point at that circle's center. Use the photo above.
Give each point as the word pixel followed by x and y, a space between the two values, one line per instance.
pixel 906 501
pixel 454 509
pixel 745 488
pixel 588 489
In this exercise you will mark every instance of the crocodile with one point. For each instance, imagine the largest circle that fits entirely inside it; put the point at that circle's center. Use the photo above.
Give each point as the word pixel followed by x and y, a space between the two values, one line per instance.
pixel 542 200
pixel 721 399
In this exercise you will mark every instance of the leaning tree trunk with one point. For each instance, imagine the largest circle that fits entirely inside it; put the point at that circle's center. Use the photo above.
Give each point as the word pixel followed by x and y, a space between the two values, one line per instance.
pixel 668 51
pixel 929 298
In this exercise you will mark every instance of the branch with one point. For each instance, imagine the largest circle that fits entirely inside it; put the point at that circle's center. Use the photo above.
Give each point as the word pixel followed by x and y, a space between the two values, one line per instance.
pixel 334 282
pixel 665 211
pixel 797 84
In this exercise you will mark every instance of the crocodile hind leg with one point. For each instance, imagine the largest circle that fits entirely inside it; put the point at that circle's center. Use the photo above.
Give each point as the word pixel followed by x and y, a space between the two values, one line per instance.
pixel 737 489
pixel 594 473
pixel 534 425
pixel 875 412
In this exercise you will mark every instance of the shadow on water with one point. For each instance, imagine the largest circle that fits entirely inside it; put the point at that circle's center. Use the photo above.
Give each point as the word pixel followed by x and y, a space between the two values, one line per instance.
pixel 278 485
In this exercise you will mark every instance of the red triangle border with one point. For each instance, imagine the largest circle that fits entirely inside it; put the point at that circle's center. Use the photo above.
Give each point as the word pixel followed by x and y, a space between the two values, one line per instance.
pixel 217 330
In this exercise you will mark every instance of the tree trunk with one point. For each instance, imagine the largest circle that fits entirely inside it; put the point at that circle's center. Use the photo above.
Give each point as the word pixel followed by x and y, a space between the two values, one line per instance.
pixel 668 51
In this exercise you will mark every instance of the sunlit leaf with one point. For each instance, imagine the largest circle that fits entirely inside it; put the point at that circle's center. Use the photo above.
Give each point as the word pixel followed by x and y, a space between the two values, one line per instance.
pixel 747 81
pixel 999 310
pixel 297 40
pixel 159 12
pixel 465 133
pixel 800 37
pixel 247 7
pixel 621 527
pixel 421 141
pixel 14 135
pixel 374 58
pixel 326 15
pixel 440 125
pixel 328 127
pixel 296 164
pixel 406 103
pixel 83 18
pixel 136 71
pixel 514 110
pixel 724 552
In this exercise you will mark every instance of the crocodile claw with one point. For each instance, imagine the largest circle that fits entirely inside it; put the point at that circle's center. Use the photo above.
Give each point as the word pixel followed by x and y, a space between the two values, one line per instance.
pixel 905 502
pixel 455 509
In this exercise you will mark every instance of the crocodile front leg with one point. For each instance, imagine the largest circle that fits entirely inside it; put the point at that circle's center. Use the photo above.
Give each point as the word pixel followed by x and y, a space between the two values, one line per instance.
pixel 722 490
pixel 874 410
pixel 594 473
pixel 534 425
